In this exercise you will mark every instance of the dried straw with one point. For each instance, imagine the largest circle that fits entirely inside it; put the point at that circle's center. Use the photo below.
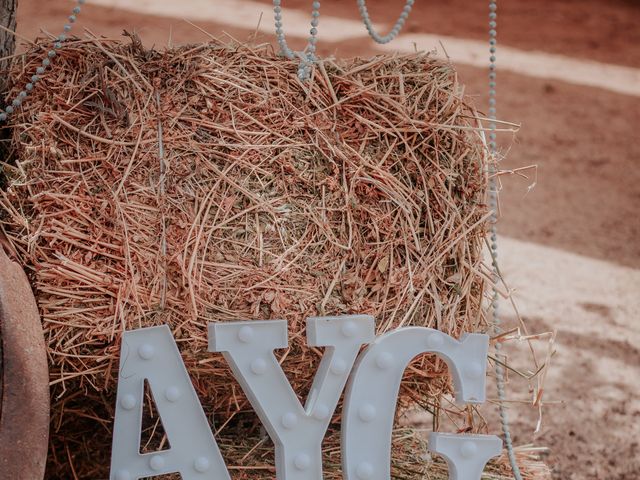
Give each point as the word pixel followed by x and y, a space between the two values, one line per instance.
pixel 207 184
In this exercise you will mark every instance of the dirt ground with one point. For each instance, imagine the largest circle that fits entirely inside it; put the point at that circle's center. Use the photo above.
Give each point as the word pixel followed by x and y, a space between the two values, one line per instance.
pixel 585 145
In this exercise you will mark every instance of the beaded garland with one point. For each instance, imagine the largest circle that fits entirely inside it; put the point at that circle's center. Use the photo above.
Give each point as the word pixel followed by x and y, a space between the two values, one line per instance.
pixel 46 62
pixel 362 6
pixel 493 204
pixel 308 55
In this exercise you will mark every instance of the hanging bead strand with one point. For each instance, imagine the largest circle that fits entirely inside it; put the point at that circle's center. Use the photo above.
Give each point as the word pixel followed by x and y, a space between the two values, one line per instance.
pixel 307 57
pixel 493 203
pixel 364 13
pixel 46 62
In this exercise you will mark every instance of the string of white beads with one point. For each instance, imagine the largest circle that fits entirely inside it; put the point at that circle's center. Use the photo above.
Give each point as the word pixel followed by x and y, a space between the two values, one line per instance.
pixel 308 55
pixel 364 13
pixel 493 204
pixel 46 62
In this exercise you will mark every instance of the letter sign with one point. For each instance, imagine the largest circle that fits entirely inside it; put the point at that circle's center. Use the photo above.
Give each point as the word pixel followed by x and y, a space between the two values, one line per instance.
pixel 372 377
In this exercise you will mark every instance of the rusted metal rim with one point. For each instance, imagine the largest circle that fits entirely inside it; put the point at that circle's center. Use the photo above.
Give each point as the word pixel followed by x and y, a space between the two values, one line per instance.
pixel 24 378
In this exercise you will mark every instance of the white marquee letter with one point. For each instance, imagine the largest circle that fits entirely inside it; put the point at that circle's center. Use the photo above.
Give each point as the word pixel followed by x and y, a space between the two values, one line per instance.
pixel 151 354
pixel 371 397
pixel 466 455
pixel 296 432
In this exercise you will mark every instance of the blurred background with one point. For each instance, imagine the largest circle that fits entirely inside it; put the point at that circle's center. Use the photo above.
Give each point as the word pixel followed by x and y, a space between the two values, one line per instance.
pixel 569 77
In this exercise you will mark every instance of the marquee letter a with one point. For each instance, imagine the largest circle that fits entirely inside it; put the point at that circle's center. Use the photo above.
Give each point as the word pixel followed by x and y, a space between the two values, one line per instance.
pixel 151 354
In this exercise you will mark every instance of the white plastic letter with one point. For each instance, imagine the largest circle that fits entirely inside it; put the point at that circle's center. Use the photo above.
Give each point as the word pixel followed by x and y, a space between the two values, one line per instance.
pixel 151 354
pixel 297 432
pixel 371 397
pixel 466 455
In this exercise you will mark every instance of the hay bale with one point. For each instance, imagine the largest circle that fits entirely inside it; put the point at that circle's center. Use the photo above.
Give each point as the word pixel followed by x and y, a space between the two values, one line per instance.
pixel 207 184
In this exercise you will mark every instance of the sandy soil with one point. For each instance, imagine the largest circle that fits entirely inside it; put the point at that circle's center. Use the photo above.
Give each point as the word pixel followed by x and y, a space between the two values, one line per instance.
pixel 594 433
pixel 573 249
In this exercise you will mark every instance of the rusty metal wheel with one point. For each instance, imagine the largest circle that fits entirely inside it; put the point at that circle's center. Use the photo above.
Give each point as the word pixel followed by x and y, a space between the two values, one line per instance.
pixel 24 378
